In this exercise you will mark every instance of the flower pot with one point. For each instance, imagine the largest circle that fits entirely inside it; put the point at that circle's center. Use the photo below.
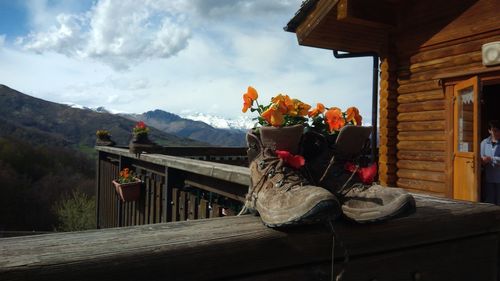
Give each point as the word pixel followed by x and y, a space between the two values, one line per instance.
pixel 282 138
pixel 128 191
pixel 141 143
pixel 104 141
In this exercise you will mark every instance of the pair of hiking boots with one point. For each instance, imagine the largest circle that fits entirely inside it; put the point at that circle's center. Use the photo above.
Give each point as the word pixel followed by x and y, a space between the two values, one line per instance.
pixel 320 191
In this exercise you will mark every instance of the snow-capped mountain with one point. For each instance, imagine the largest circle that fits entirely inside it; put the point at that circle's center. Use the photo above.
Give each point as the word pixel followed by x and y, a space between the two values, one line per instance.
pixel 100 109
pixel 239 123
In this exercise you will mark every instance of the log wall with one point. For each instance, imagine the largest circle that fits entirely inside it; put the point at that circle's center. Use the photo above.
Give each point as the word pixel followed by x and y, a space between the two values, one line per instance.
pixel 433 39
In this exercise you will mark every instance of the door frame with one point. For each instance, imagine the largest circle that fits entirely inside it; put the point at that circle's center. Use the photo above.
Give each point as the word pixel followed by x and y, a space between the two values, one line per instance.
pixel 475 189
pixel 485 77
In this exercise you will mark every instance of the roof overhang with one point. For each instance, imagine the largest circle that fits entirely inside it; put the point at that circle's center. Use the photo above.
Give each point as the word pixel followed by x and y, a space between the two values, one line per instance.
pixel 344 25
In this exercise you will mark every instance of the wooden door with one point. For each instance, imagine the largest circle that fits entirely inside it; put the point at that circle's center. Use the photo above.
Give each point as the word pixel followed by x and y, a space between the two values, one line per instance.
pixel 466 165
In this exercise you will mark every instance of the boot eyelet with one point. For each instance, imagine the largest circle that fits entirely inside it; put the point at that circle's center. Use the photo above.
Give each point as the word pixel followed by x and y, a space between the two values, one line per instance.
pixel 279 183
pixel 271 173
pixel 261 164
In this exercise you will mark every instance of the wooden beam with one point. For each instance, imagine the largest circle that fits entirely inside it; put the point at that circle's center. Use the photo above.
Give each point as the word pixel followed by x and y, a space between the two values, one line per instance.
pixel 375 14
pixel 211 249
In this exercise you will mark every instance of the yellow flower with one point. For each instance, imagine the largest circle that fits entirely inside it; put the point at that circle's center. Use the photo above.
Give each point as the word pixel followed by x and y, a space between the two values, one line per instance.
pixel 248 98
pixel 273 116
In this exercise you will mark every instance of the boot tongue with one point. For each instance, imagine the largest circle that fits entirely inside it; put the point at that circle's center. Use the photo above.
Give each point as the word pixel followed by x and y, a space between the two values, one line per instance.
pixel 284 138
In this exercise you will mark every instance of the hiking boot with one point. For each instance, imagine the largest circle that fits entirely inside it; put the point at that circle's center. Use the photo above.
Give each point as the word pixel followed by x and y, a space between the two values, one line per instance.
pixel 365 203
pixel 280 194
pixel 326 167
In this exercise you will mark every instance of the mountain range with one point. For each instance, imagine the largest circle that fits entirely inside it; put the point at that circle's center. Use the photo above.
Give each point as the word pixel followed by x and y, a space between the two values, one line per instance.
pixel 195 130
pixel 41 122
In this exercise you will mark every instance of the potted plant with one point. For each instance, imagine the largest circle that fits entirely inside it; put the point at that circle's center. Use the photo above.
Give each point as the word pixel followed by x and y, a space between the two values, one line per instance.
pixel 140 141
pixel 127 186
pixel 280 123
pixel 104 138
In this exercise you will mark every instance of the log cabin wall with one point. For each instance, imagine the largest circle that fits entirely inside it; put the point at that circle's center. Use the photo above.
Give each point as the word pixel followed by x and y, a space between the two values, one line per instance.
pixel 433 39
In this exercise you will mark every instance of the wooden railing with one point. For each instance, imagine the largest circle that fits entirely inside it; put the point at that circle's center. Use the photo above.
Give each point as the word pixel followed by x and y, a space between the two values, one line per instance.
pixel 179 184
pixel 442 240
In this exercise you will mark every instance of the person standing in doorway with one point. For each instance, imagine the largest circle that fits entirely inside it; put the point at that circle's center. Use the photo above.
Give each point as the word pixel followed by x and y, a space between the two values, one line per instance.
pixel 490 158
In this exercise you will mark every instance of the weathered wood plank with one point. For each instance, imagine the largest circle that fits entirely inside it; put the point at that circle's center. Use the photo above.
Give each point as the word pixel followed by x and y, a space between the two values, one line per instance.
pixel 421 175
pixel 421 165
pixel 421 96
pixel 421 126
pixel 422 135
pixel 421 155
pixel 422 145
pixel 422 116
pixel 422 185
pixel 225 172
pixel 422 106
pixel 167 251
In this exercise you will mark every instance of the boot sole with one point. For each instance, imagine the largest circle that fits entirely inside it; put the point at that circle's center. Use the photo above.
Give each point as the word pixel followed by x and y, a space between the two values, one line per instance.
pixel 323 211
pixel 406 203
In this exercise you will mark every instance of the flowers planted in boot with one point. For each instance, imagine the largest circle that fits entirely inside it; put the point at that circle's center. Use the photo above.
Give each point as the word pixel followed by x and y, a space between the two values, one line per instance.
pixel 280 194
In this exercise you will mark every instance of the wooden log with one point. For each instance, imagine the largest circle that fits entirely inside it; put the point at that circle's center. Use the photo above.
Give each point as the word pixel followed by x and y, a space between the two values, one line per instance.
pixel 421 155
pixel 387 179
pixel 422 145
pixel 447 61
pixel 454 49
pixel 421 165
pixel 383 149
pixel 387 169
pixel 421 106
pixel 421 175
pixel 421 126
pixel 388 114
pixel 423 185
pixel 435 74
pixel 422 135
pixel 420 86
pixel 388 104
pixel 421 96
pixel 422 116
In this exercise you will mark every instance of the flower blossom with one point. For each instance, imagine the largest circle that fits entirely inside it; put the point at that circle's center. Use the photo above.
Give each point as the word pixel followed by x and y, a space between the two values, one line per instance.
pixel 334 119
pixel 248 98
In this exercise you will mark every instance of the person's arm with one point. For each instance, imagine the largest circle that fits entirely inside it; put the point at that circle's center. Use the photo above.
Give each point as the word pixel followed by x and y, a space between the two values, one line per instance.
pixel 484 158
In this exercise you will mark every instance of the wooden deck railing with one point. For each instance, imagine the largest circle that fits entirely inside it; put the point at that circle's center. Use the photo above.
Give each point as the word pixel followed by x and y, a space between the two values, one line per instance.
pixel 179 184
pixel 442 240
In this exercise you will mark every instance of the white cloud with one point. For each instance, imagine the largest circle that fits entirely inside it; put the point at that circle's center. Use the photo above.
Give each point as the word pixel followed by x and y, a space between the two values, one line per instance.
pixel 118 33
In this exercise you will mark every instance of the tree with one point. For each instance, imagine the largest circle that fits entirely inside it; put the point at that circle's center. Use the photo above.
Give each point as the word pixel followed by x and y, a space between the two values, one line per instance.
pixel 76 212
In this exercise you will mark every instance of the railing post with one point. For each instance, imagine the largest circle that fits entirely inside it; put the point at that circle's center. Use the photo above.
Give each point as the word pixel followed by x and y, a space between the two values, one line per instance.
pixel 98 188
pixel 173 178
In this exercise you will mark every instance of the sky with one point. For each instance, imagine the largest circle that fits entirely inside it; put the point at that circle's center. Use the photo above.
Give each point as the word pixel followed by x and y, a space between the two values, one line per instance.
pixel 181 56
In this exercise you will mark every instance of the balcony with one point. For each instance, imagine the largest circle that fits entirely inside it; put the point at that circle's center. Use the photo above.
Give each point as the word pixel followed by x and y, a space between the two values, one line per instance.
pixel 182 228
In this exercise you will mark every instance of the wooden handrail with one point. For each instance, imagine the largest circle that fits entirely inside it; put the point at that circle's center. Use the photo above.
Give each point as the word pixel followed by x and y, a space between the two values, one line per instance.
pixel 435 241
pixel 230 173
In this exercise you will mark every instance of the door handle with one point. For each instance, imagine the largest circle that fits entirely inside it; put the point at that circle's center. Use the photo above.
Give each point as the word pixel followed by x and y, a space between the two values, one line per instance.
pixel 470 162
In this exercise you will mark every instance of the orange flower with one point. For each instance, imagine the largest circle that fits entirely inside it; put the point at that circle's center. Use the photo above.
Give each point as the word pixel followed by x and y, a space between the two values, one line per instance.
pixel 334 119
pixel 352 114
pixel 299 108
pixel 248 98
pixel 283 102
pixel 273 116
pixel 320 108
